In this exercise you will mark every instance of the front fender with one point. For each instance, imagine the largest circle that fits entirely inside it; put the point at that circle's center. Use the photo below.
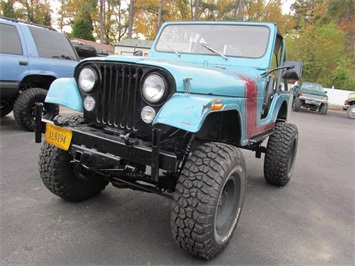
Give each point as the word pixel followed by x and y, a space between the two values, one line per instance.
pixel 188 112
pixel 65 91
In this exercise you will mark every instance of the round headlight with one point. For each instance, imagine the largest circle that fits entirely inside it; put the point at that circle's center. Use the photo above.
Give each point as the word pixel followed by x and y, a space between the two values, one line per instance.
pixel 153 88
pixel 87 79
pixel 148 114
pixel 89 103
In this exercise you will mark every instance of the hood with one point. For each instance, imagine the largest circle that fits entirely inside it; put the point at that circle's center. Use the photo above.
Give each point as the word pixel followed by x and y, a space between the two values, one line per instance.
pixel 212 80
pixel 313 92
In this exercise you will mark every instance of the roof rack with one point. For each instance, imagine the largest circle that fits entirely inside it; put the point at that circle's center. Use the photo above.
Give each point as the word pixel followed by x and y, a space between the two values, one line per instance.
pixel 29 23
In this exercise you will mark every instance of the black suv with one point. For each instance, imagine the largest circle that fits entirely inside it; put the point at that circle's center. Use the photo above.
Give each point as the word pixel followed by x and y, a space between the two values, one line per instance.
pixel 84 50
pixel 31 58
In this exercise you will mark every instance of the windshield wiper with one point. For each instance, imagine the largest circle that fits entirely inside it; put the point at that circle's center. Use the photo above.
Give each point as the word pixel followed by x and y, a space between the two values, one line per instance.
pixel 214 51
pixel 171 48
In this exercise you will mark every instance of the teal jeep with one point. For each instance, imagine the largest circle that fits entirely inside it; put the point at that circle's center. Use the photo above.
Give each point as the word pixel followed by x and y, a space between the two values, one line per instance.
pixel 173 124
pixel 310 96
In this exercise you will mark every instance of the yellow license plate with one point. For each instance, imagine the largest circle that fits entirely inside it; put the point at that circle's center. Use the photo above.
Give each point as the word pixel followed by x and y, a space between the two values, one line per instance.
pixel 59 137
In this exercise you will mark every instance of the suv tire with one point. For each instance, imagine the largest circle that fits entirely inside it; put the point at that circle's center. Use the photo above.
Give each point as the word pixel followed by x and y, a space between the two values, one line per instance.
pixel 24 108
pixel 281 154
pixel 324 109
pixel 297 103
pixel 351 111
pixel 208 199
pixel 62 178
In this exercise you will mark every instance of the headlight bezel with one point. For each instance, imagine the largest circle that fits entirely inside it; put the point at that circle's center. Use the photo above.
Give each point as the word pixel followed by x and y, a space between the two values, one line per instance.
pixel 95 83
pixel 163 96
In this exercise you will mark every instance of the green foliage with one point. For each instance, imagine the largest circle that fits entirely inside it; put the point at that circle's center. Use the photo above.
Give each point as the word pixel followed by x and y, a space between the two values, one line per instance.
pixel 82 27
pixel 7 8
pixel 343 76
pixel 318 48
pixel 323 40
pixel 35 11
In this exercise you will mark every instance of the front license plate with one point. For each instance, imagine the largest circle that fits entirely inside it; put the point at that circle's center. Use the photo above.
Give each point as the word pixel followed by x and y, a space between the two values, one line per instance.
pixel 59 137
pixel 312 102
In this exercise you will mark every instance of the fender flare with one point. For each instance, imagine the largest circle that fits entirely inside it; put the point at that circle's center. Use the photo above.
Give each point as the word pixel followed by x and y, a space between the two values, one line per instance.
pixel 188 112
pixel 59 91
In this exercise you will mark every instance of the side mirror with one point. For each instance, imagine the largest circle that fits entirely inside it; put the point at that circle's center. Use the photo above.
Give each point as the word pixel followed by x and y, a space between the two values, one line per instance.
pixel 293 70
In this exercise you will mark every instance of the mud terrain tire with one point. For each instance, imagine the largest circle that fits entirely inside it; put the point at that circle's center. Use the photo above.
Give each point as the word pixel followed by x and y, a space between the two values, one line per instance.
pixel 61 177
pixel 281 154
pixel 24 108
pixel 208 199
pixel 324 109
pixel 297 103
pixel 351 111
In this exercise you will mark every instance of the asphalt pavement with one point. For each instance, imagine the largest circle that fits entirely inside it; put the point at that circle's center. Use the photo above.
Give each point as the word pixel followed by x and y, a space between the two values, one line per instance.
pixel 311 221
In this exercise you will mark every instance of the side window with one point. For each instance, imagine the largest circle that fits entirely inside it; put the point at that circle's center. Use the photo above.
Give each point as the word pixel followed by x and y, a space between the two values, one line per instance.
pixel 52 44
pixel 10 40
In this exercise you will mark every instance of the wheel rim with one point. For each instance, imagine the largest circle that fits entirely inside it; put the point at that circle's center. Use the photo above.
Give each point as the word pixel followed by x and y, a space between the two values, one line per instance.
pixel 228 205
pixel 352 111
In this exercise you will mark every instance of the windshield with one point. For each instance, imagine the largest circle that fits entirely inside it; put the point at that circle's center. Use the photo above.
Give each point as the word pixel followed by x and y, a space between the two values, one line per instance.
pixel 211 39
pixel 312 86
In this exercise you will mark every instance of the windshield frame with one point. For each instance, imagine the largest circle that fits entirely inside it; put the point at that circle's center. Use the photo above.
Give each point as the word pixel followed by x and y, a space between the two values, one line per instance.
pixel 196 34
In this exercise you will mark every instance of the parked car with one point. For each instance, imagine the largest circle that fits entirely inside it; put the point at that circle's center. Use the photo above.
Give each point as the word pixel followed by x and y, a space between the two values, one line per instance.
pixel 31 58
pixel 84 50
pixel 173 124
pixel 310 96
pixel 349 105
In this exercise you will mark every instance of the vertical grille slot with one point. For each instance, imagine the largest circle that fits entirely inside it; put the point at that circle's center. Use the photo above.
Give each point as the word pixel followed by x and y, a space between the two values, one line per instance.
pixel 118 96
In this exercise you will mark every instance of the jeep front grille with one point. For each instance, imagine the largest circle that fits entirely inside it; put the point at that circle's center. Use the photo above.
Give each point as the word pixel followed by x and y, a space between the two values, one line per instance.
pixel 315 97
pixel 119 97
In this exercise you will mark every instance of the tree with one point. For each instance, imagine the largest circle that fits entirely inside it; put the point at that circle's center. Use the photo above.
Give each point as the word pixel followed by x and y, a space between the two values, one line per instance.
pixel 324 41
pixel 35 11
pixel 115 21
pixel 7 8
pixel 131 18
pixel 83 25
pixel 318 48
pixel 219 10
pixel 239 10
pixel 146 15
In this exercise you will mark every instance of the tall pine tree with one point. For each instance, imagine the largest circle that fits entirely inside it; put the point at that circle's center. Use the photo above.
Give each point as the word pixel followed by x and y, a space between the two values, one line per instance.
pixel 82 27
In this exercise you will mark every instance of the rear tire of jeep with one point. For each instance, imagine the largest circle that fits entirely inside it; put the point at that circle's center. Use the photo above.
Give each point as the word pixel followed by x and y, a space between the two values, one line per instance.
pixel 60 176
pixel 5 110
pixel 208 199
pixel 351 112
pixel 280 154
pixel 24 108
pixel 297 103
pixel 324 109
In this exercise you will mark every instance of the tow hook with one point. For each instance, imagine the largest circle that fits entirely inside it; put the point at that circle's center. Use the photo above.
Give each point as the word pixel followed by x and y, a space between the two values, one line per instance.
pixel 127 140
pixel 80 158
